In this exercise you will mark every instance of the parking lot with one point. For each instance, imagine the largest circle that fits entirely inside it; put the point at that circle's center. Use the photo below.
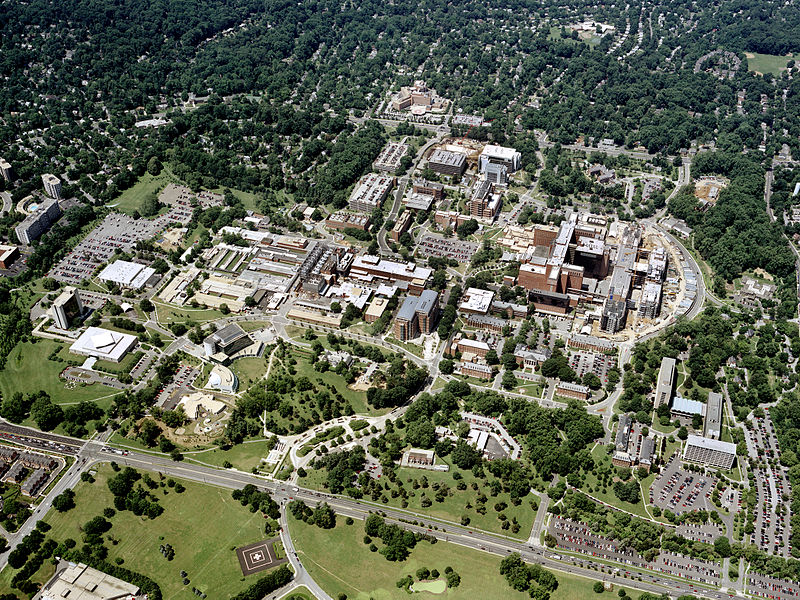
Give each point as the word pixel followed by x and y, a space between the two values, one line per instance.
pixel 772 512
pixel 577 537
pixel 435 245
pixel 680 491
pixel 583 362
pixel 169 396
pixel 770 587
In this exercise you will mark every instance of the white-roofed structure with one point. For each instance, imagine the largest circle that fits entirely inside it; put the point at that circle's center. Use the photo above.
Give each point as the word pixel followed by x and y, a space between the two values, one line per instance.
pixel 499 155
pixel 709 452
pixel 80 582
pixel 126 274
pixel 476 301
pixel 104 344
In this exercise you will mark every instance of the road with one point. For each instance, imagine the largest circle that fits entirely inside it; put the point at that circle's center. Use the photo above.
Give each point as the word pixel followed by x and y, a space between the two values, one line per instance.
pixel 6 202
pixel 93 452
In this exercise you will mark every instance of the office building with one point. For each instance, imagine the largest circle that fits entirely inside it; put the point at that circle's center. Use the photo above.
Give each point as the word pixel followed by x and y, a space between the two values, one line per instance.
pixel 713 424
pixel 5 169
pixel 573 390
pixel 8 254
pixel 370 192
pixel 686 408
pixel 126 274
pixel 371 268
pixel 428 188
pixel 104 344
pixel 402 225
pixel 52 186
pixel 226 342
pixel 476 301
pixel 474 369
pixel 496 173
pixel 615 309
pixel 76 581
pixel 666 381
pixel 499 155
pixel 483 204
pixel 342 220
pixel 709 452
pixel 447 163
pixel 417 315
pixel 390 157
pixel 650 302
pixel 66 308
pixel 38 222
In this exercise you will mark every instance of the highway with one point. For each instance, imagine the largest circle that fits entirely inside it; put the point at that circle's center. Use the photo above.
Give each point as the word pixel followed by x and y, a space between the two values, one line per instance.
pixel 94 451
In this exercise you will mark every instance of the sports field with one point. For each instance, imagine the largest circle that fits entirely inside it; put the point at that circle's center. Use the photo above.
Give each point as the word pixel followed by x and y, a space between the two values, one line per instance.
pixel 768 63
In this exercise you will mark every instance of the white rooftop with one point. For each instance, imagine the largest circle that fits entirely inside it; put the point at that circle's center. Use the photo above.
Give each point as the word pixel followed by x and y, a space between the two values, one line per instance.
pixel 103 344
pixel 710 444
pixel 127 274
pixel 499 152
pixel 476 300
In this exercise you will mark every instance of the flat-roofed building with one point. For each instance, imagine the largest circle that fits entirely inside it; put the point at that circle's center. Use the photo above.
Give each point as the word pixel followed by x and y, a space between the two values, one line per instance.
pixel 8 254
pixel 428 188
pixel 376 309
pixel 402 225
pixel 686 408
pixel 52 185
pixel 66 307
pixel 342 220
pixel 476 301
pixel 370 192
pixel 38 222
pixel 5 169
pixel 485 322
pixel 371 268
pixel 417 315
pixel 666 381
pixel 713 424
pixel 76 581
pixel 590 342
pixel 492 154
pixel 447 163
pixel 496 173
pixel 650 301
pixel 528 358
pixel 472 347
pixel 225 342
pixel 104 344
pixel 483 204
pixel 315 318
pixel 390 157
pixel 126 274
pixel 417 457
pixel 709 452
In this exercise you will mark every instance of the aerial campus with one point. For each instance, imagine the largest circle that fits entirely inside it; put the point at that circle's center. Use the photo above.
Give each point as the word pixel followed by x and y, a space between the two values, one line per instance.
pixel 345 300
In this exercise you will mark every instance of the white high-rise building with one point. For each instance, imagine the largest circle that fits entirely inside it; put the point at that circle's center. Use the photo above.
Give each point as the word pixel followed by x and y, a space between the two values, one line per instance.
pixel 52 185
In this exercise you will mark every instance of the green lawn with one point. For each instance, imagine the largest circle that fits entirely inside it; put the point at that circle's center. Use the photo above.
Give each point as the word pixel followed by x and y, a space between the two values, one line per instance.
pixel 243 456
pixel 29 370
pixel 132 198
pixel 340 562
pixel 299 593
pixel 203 525
pixel 768 63
pixel 168 313
pixel 453 507
pixel 249 370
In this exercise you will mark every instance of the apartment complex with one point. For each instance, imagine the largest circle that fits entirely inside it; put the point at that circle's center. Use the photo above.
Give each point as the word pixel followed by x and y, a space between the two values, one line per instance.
pixel 52 186
pixel 37 223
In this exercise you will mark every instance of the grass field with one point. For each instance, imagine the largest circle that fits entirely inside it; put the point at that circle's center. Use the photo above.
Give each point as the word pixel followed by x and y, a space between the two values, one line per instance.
pixel 453 507
pixel 132 198
pixel 299 593
pixel 203 525
pixel 243 456
pixel 768 63
pixel 249 370
pixel 168 313
pixel 340 562
pixel 28 370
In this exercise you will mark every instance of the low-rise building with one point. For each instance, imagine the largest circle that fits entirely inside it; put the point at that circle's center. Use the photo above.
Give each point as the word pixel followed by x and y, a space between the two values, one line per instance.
pixel 477 370
pixel 573 390
pixel 76 581
pixel 476 301
pixel 376 309
pixel 224 343
pixel 390 158
pixel 342 220
pixel 370 192
pixel 126 274
pixel 709 452
pixel 8 254
pixel 712 427
pixel 447 163
pixel 402 225
pixel 104 344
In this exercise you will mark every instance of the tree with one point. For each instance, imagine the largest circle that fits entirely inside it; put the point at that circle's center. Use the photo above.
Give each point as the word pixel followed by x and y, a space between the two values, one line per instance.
pixel 598 587
pixel 64 501
pixel 46 414
pixel 323 516
pixel 492 358
pixel 683 433
pixel 154 166
pixel 447 366
pixel 722 546
pixel 508 380
pixel 149 432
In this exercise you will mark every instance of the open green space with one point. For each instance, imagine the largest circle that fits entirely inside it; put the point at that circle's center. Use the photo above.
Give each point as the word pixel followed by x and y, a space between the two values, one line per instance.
pixel 168 313
pixel 299 593
pixel 131 199
pixel 249 370
pixel 454 505
pixel 768 63
pixel 203 524
pixel 340 562
pixel 242 456
pixel 29 370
